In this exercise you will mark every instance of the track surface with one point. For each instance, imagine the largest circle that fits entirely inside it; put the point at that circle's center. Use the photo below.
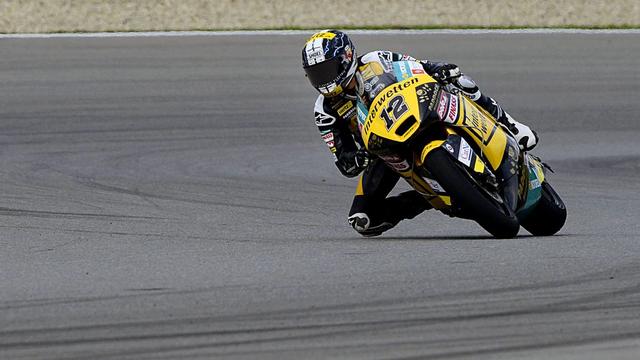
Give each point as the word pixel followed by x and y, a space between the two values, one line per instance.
pixel 170 198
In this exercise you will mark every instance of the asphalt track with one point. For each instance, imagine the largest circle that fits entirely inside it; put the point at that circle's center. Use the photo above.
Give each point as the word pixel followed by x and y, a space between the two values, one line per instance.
pixel 170 197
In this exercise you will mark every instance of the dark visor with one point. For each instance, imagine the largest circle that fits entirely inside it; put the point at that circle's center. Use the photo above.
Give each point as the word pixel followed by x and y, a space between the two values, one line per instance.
pixel 324 73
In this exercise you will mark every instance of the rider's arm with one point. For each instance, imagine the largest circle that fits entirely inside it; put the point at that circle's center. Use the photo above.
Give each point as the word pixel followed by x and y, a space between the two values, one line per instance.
pixel 336 134
pixel 387 57
pixel 440 70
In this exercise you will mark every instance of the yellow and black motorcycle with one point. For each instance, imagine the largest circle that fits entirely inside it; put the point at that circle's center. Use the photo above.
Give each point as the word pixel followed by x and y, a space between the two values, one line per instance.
pixel 454 153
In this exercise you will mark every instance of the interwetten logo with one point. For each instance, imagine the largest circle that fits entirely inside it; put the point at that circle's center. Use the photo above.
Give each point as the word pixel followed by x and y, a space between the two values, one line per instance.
pixel 397 87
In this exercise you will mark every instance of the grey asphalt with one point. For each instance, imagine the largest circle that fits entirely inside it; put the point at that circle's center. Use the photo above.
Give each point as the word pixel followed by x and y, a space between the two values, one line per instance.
pixel 171 198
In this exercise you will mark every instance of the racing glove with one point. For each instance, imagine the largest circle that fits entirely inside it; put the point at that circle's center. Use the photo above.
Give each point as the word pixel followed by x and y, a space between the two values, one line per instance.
pixel 362 159
pixel 445 73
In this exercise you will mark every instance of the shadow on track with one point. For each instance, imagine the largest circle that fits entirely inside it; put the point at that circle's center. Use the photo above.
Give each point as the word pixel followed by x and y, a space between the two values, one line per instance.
pixel 463 237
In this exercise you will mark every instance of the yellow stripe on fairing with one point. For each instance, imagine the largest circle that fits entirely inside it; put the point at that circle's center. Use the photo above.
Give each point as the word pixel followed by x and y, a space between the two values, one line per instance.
pixel 478 166
pixel 359 189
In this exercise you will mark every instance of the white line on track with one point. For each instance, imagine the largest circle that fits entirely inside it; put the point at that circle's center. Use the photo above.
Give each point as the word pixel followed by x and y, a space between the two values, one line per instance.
pixel 307 32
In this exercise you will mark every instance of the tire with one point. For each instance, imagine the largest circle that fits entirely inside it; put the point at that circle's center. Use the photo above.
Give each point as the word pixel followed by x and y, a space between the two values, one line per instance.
pixel 549 215
pixel 497 219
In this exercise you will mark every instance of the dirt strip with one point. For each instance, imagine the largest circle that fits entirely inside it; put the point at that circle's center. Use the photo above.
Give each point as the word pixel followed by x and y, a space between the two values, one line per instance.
pixel 32 16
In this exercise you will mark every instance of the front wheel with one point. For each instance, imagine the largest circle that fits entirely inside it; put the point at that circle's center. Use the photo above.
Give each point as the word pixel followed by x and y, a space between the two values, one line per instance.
pixel 549 214
pixel 466 193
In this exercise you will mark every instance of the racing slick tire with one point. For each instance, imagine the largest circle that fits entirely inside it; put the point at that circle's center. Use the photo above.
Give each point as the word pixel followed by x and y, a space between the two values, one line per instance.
pixel 467 193
pixel 549 215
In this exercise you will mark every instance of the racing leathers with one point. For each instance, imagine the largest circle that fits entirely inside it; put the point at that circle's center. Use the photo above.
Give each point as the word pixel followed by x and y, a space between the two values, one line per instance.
pixel 372 212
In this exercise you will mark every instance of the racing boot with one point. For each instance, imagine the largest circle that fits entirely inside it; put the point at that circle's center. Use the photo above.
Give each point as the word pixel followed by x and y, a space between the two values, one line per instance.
pixel 526 138
pixel 362 224
pixel 406 205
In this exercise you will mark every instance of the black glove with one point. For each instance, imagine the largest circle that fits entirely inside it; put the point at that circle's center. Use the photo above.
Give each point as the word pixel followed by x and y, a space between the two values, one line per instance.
pixel 445 73
pixel 362 158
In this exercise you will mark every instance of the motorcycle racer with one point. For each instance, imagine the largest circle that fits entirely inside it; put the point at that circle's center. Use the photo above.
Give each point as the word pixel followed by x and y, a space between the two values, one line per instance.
pixel 332 67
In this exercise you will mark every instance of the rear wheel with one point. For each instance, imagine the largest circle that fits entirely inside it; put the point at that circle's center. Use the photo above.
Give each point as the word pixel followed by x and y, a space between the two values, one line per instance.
pixel 466 193
pixel 549 215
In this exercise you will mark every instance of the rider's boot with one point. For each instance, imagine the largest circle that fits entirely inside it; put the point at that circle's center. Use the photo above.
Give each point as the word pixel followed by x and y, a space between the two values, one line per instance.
pixel 394 209
pixel 526 138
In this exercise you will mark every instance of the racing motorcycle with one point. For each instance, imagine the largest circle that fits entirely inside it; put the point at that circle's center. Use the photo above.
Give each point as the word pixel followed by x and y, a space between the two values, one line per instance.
pixel 464 162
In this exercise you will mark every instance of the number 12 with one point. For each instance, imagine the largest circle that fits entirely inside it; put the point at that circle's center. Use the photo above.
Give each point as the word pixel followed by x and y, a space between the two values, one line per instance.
pixel 398 107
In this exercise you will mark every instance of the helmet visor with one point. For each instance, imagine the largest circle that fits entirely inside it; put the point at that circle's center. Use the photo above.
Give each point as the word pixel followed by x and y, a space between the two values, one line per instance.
pixel 325 73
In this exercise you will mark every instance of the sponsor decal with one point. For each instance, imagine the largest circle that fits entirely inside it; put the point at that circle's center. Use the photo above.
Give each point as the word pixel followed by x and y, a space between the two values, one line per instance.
pixel 534 180
pixel 316 56
pixel 377 90
pixel 479 125
pixel 396 163
pixel 370 70
pixel 435 185
pixel 534 184
pixel 413 64
pixel 426 93
pixel 324 119
pixel 422 95
pixel 367 72
pixel 331 143
pixel 512 154
pixel 362 115
pixel 351 115
pixel 327 137
pixel 391 90
pixel 344 108
pixel 465 153
pixel 391 158
pixel 348 52
pixel 399 166
pixel 403 70
pixel 331 89
pixel 323 35
pixel 442 105
pixel 434 98
pixel 449 148
pixel 417 71
pixel 475 121
pixel 368 85
pixel 452 114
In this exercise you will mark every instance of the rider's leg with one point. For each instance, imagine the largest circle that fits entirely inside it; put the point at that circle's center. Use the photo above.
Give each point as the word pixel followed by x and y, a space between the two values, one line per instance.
pixel 372 212
pixel 523 134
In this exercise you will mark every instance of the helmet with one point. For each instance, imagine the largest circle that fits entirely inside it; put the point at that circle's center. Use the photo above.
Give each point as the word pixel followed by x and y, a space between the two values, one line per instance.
pixel 329 61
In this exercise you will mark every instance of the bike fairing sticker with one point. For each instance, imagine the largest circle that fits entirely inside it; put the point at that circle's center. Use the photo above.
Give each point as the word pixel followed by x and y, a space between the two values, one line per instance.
pixel 401 70
pixel 435 185
pixel 464 155
pixel 443 105
pixel 362 114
